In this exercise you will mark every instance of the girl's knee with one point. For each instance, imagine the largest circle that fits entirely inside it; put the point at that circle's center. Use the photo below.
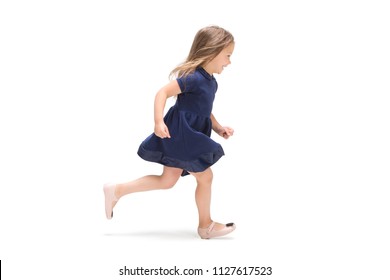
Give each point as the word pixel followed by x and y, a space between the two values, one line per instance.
pixel 167 183
pixel 205 177
pixel 169 180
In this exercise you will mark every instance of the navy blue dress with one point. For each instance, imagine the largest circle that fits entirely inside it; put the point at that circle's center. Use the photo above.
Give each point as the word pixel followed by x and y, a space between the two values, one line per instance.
pixel 190 146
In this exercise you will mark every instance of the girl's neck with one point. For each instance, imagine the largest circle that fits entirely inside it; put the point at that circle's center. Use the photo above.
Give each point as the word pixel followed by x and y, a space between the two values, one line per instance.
pixel 207 69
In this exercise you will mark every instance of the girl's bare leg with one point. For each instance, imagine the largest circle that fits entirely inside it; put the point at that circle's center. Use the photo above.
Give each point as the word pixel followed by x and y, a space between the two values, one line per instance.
pixel 166 180
pixel 203 198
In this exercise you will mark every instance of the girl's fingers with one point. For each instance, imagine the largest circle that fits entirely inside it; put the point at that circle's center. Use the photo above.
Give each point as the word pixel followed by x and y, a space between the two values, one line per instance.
pixel 167 132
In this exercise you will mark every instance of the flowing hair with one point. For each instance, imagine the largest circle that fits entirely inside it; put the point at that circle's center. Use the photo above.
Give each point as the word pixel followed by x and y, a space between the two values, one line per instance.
pixel 208 43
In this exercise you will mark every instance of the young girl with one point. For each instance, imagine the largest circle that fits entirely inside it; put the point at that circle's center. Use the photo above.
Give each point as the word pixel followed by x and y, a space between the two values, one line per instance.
pixel 181 140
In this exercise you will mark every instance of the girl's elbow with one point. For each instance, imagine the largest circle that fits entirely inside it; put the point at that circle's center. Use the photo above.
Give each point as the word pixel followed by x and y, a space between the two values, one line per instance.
pixel 161 94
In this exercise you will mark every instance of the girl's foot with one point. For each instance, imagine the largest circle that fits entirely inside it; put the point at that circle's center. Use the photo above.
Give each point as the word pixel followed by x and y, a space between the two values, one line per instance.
pixel 110 199
pixel 216 230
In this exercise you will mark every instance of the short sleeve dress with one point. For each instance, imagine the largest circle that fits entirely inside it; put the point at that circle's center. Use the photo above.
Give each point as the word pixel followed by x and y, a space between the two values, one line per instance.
pixel 190 146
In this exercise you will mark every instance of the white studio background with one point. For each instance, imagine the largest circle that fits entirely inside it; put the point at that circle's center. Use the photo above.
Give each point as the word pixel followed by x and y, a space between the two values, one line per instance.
pixel 304 177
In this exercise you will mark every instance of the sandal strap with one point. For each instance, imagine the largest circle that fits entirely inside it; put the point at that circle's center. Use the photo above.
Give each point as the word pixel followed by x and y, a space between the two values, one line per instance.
pixel 210 228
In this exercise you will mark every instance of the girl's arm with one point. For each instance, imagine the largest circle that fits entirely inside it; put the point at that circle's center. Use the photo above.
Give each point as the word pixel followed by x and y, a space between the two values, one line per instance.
pixel 223 131
pixel 169 90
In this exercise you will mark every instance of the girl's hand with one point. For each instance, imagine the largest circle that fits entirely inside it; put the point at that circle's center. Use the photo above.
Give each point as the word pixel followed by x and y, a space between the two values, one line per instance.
pixel 225 132
pixel 161 130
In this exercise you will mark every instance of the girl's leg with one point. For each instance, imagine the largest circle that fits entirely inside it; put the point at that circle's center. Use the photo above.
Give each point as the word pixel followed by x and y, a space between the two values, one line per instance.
pixel 203 196
pixel 166 180
pixel 203 200
pixel 113 192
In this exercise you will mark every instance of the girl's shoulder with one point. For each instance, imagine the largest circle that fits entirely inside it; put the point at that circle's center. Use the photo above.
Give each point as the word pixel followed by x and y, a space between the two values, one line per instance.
pixel 190 81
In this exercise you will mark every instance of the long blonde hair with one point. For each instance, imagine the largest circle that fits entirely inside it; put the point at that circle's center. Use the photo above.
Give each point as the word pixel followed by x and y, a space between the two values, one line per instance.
pixel 208 43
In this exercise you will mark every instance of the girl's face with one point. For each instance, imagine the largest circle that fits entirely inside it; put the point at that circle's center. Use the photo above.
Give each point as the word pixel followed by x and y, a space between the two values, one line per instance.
pixel 219 62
